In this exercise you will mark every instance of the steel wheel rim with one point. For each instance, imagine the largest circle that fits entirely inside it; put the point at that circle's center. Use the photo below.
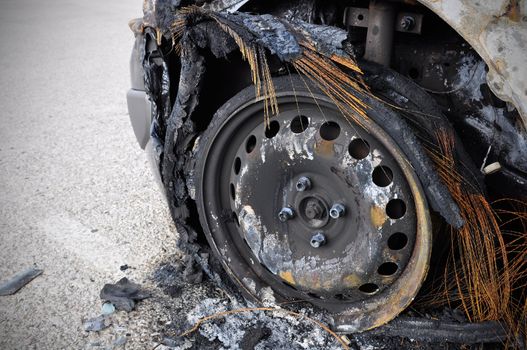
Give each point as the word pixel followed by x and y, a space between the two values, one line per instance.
pixel 244 265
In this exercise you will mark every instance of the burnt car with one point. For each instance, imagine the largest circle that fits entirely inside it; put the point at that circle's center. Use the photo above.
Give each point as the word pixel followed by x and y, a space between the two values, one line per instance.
pixel 363 156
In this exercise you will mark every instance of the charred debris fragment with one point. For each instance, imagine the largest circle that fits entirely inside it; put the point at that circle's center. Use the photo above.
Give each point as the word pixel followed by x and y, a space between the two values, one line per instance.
pixel 18 281
pixel 446 121
pixel 124 294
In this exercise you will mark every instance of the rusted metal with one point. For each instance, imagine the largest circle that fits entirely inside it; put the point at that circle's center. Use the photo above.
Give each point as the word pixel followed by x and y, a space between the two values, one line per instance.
pixel 381 309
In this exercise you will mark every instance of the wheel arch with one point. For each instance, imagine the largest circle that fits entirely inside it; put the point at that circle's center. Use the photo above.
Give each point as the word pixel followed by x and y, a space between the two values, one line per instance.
pixel 497 31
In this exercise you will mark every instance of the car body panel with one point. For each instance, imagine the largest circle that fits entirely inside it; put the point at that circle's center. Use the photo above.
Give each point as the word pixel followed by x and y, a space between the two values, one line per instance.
pixel 497 30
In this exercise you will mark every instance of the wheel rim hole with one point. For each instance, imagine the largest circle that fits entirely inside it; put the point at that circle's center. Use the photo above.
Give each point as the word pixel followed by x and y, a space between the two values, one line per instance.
pixel 397 241
pixel 250 144
pixel 272 129
pixel 369 288
pixel 237 165
pixel 396 208
pixel 329 131
pixel 299 124
pixel 387 269
pixel 359 149
pixel 233 192
pixel 382 176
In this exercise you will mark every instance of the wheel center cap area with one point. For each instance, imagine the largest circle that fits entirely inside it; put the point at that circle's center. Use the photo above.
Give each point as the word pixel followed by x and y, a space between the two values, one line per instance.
pixel 314 211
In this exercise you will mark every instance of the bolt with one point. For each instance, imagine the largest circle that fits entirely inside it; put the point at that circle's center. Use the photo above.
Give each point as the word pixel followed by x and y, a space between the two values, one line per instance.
pixel 318 240
pixel 313 210
pixel 407 22
pixel 303 184
pixel 285 214
pixel 337 210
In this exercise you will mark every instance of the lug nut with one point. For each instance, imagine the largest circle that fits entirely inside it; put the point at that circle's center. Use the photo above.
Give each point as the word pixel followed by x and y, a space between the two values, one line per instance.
pixel 303 184
pixel 318 240
pixel 285 214
pixel 337 210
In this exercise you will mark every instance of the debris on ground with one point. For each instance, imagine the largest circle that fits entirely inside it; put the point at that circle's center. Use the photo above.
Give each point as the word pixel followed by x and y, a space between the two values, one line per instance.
pixel 173 277
pixel 237 324
pixel 107 309
pixel 18 281
pixel 97 324
pixel 120 341
pixel 204 316
pixel 254 329
pixel 123 294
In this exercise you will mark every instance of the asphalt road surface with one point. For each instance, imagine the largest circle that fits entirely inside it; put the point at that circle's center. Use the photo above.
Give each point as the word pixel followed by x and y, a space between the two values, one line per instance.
pixel 77 198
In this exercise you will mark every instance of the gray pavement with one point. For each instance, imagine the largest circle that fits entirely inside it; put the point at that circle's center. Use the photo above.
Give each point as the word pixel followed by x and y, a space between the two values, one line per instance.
pixel 77 198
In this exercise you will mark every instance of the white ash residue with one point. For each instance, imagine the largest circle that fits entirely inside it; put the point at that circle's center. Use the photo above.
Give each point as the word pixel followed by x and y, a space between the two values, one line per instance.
pixel 260 329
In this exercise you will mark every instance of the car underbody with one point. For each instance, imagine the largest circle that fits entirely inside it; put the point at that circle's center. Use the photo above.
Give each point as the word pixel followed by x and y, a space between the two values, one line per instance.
pixel 354 155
